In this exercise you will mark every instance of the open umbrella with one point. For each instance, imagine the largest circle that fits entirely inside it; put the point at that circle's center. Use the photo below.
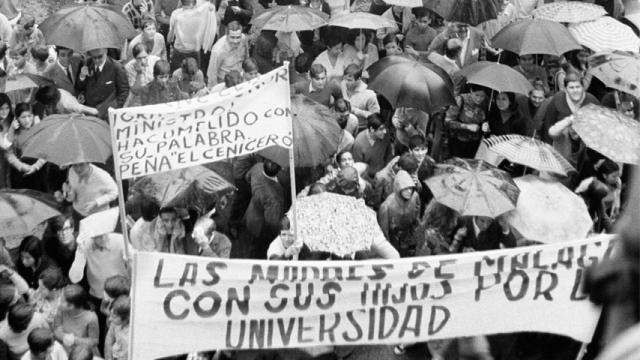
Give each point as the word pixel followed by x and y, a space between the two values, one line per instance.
pixel 608 132
pixel 496 76
pixel 289 18
pixel 195 187
pixel 362 20
pixel 87 26
pixel 604 34
pixel 408 83
pixel 21 211
pixel 535 37
pixel 548 212
pixel 473 188
pixel 22 81
pixel 316 135
pixel 569 12
pixel 68 139
pixel 491 27
pixel 618 70
pixel 529 152
pixel 405 3
pixel 337 224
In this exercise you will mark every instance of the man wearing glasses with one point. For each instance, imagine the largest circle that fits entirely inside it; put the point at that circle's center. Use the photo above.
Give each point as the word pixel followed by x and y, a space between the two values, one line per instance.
pixel 103 82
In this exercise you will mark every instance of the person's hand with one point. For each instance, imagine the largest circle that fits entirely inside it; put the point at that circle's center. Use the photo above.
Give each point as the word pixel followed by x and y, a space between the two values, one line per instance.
pixel 15 125
pixel 68 340
pixel 89 206
pixel 58 196
pixel 30 170
pixel 84 72
pixel 139 68
pixel 92 111
pixel 485 127
pixel 410 50
pixel 237 9
pixel 292 251
pixel 81 98
pixel 472 127
pixel 462 232
pixel 200 238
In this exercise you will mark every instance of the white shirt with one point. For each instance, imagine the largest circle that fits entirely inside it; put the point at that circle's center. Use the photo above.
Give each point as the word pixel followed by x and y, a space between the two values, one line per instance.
pixel 333 71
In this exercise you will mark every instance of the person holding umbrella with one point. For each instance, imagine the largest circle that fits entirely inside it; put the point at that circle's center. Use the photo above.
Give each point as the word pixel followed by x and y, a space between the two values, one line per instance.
pixel 467 121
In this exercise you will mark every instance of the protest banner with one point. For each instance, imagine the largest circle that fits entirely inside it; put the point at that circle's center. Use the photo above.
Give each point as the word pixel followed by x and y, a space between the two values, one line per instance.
pixel 244 119
pixel 252 304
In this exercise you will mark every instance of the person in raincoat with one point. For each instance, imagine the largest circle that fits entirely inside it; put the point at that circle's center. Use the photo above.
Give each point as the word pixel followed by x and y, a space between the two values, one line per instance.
pixel 398 215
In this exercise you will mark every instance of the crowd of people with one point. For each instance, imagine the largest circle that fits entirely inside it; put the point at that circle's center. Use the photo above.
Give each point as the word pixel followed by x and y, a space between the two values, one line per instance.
pixel 63 296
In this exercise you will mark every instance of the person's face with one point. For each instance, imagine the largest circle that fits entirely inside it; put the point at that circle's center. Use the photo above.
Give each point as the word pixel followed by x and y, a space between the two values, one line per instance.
pixel 612 178
pixel 483 222
pixel 420 152
pixel 5 109
pixel 250 75
pixel 346 160
pixel 536 97
pixel 379 133
pixel 64 57
pixel 335 50
pixel 526 61
pixel 18 60
pixel 163 79
pixel 582 56
pixel 28 28
pixel 459 29
pixel 25 119
pixel 43 289
pixel 407 193
pixel 319 81
pixel 168 220
pixel 115 319
pixel 98 56
pixel 234 38
pixel 392 48
pixel 502 102
pixel 65 234
pixel 27 259
pixel 478 97
pixel 80 169
pixel 150 31
pixel 143 59
pixel 575 90
pixel 423 22
pixel 360 41
pixel 350 82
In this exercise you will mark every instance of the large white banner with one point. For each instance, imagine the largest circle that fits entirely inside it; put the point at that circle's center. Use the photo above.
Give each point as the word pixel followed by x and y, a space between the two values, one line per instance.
pixel 183 303
pixel 244 119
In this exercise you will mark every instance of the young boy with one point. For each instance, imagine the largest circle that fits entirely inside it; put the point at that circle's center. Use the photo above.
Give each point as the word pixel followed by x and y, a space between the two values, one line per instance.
pixel 117 341
pixel 42 346
pixel 114 287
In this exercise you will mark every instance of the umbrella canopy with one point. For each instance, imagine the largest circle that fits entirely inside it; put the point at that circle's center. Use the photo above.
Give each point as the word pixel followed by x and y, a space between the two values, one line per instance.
pixel 408 83
pixel 68 139
pixel 608 132
pixel 316 135
pixel 22 81
pixel 473 12
pixel 473 188
pixel 491 27
pixel 618 70
pixel 548 212
pixel 405 3
pixel 335 223
pixel 195 187
pixel 604 34
pixel 535 37
pixel 529 152
pixel 22 210
pixel 362 20
pixel 569 12
pixel 496 76
pixel 289 18
pixel 69 27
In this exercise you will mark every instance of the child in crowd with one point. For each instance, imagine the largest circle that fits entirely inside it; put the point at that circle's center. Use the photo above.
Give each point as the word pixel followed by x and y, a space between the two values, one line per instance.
pixel 114 287
pixel 48 297
pixel 75 323
pixel 42 346
pixel 117 341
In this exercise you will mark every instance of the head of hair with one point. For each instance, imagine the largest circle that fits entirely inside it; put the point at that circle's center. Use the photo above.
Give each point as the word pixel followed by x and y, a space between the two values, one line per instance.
pixel 22 107
pixel 374 121
pixel 354 70
pixel 342 105
pixel 513 105
pixel 389 38
pixel 146 21
pixel 32 246
pixel 137 49
pixel 572 76
pixel 52 278
pixel 316 70
pixel 57 223
pixel 234 26
pixel 121 307
pixel 48 95
pixel 474 88
pixel 40 53
pixel 421 12
pixel 187 65
pixel 207 224
pixel 408 163
pixel 83 351
pixel 605 167
pixel 117 285
pixel 19 49
pixel 62 48
pixel 354 33
pixel 341 154
pixel 417 140
pixel 249 65
pixel 232 78
pixel 7 298
pixel 332 41
pixel 302 63
pixel 149 207
pixel 161 67
pixel 40 340
pixel 4 99
pixel 188 2
pixel 452 47
pixel 76 296
pixel 20 316
pixel 317 188
pixel 167 210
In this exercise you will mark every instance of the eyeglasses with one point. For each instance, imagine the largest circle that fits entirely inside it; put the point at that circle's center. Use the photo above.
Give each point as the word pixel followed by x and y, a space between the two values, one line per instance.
pixel 97 57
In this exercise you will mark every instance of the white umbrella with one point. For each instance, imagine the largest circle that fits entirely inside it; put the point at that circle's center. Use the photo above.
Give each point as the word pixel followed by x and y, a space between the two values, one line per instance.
pixel 362 20
pixel 548 212
pixel 605 34
pixel 569 12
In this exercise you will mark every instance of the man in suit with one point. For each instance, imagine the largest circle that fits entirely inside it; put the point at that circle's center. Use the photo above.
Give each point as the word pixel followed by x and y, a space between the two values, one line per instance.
pixel 103 82
pixel 479 233
pixel 65 71
pixel 317 87
pixel 472 42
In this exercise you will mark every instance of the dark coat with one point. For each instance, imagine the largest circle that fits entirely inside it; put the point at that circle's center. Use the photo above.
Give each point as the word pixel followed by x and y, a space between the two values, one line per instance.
pixel 60 78
pixel 490 239
pixel 108 88
pixel 558 109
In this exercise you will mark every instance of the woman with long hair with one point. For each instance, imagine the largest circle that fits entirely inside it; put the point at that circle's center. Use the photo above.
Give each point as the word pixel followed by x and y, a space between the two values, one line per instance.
pixel 6 118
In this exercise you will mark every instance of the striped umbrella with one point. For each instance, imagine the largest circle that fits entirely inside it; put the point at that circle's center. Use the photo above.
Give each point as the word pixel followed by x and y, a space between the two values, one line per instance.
pixel 605 34
pixel 473 188
pixel 529 152
pixel 569 12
